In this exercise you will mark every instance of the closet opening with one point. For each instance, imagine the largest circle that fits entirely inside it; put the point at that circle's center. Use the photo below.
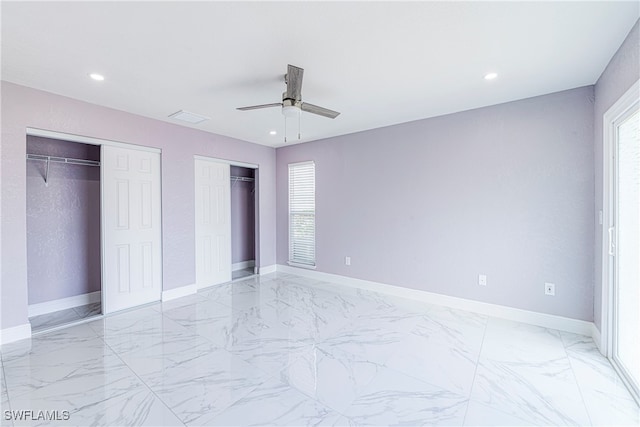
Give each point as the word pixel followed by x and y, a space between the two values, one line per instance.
pixel 243 222
pixel 226 221
pixel 63 232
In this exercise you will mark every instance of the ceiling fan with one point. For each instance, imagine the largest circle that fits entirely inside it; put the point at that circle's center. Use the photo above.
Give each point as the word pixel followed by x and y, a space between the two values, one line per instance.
pixel 292 103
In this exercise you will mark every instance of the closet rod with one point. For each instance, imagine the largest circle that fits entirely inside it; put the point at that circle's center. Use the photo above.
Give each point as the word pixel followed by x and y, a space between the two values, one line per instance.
pixel 242 178
pixel 55 159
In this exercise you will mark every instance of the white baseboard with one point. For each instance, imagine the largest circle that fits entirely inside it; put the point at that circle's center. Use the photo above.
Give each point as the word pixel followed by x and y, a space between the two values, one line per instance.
pixel 180 292
pixel 63 303
pixel 504 312
pixel 15 333
pixel 242 265
pixel 268 269
pixel 597 338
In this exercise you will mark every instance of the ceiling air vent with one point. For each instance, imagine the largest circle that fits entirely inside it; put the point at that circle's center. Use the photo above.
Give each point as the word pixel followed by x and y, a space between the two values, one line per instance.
pixel 188 117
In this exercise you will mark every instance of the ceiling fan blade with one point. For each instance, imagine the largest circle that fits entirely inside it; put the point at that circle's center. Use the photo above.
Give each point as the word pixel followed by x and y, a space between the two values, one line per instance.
pixel 294 82
pixel 321 111
pixel 257 107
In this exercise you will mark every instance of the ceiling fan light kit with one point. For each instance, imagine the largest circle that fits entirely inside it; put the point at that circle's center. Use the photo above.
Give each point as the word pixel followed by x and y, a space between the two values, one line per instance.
pixel 290 109
pixel 292 105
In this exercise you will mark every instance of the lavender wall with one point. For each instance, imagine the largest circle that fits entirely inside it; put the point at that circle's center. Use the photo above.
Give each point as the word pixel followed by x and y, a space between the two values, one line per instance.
pixel 63 222
pixel 505 191
pixel 242 216
pixel 621 73
pixel 24 107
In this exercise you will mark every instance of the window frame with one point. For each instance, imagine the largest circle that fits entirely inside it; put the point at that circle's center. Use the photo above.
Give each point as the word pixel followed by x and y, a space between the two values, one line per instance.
pixel 291 260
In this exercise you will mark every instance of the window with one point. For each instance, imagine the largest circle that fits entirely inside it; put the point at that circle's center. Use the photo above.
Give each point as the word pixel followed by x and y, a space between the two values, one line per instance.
pixel 302 214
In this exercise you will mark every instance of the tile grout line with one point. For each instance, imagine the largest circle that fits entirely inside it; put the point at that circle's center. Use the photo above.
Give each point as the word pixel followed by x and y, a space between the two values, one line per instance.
pixel 475 371
pixel 572 371
pixel 279 372
pixel 268 377
pixel 142 381
pixel 575 378
pixel 6 387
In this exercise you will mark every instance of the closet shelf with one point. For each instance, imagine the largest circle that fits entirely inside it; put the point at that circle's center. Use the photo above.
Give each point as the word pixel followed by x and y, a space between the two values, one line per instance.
pixel 68 160
pixel 63 160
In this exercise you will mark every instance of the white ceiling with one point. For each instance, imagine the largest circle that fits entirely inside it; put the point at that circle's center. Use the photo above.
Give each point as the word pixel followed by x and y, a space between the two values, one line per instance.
pixel 378 63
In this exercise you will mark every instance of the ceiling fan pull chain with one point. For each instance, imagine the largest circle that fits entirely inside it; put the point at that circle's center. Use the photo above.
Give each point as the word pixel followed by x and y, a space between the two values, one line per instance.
pixel 285 129
pixel 299 121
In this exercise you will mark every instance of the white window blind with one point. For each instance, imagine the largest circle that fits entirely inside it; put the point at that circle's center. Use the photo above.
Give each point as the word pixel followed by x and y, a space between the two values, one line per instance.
pixel 302 214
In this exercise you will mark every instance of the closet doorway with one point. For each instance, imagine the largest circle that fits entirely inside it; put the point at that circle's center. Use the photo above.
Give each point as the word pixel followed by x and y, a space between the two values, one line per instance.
pixel 243 222
pixel 63 232
pixel 94 232
pixel 226 221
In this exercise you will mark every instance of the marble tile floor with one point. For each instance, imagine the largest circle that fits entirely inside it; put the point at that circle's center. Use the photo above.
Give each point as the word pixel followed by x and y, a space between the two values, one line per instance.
pixel 280 349
pixel 62 317
pixel 245 272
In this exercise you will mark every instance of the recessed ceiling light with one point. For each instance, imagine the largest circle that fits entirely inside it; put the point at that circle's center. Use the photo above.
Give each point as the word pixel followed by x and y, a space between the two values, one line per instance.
pixel 490 76
pixel 96 76
pixel 273 132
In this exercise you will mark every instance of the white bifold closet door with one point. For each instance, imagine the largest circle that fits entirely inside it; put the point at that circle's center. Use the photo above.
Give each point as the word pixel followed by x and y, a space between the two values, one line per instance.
pixel 213 222
pixel 131 224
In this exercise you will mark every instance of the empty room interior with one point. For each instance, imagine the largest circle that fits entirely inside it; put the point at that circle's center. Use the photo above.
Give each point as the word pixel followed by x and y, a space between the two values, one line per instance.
pixel 338 213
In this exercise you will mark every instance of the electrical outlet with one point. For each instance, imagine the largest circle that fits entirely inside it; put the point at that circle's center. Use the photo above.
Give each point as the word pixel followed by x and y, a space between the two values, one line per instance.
pixel 549 289
pixel 482 279
pixel 347 260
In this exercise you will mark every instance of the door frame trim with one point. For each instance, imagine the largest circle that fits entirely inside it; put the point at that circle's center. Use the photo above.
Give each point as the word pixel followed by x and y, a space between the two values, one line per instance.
pixel 229 162
pixel 619 108
pixel 87 139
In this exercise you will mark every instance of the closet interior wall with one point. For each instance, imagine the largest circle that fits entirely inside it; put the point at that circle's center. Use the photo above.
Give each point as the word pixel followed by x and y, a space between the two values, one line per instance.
pixel 242 219
pixel 63 222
